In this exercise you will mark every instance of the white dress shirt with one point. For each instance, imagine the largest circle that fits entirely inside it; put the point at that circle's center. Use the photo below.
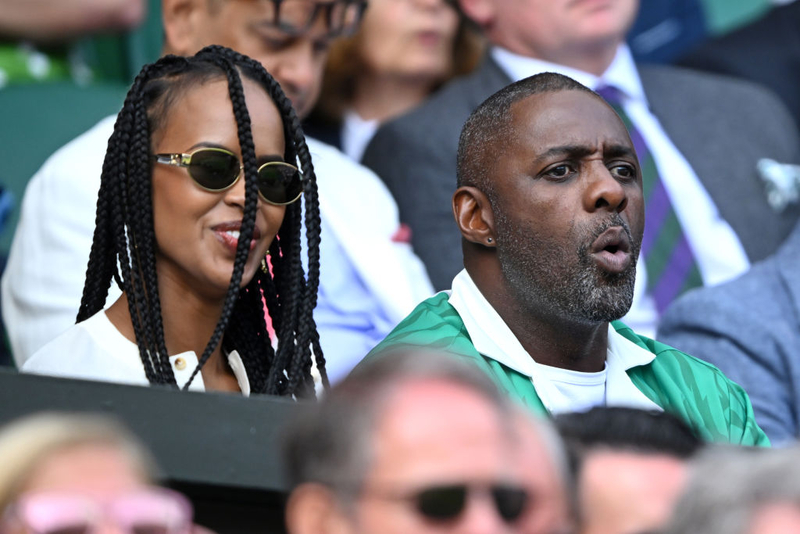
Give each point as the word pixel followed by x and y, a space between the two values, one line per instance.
pixel 95 350
pixel 493 338
pixel 356 134
pixel 719 252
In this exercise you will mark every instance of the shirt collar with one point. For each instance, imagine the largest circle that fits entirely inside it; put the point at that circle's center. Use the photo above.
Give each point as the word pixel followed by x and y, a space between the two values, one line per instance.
pixel 183 364
pixel 184 369
pixel 622 72
pixel 492 337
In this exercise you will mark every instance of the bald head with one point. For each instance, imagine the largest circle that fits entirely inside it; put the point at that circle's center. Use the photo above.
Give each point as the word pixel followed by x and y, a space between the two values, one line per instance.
pixel 425 444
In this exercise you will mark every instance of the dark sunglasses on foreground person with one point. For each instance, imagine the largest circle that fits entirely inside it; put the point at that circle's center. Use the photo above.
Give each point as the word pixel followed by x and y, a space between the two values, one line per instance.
pixel 295 17
pixel 217 169
pixel 448 502
pixel 150 511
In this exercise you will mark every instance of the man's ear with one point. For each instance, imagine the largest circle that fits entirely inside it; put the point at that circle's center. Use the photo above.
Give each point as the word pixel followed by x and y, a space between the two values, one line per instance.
pixel 474 215
pixel 313 509
pixel 481 12
pixel 182 26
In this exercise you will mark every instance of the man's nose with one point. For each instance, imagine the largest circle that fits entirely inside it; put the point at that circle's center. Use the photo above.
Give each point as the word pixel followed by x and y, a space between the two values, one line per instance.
pixel 603 191
pixel 297 71
pixel 432 4
pixel 481 517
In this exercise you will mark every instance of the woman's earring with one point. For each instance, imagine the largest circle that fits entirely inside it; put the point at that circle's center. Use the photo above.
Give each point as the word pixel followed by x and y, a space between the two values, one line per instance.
pixel 264 266
pixel 489 240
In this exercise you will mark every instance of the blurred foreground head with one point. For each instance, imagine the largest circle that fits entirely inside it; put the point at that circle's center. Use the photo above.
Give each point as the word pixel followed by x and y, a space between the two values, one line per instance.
pixel 741 491
pixel 79 474
pixel 629 467
pixel 422 443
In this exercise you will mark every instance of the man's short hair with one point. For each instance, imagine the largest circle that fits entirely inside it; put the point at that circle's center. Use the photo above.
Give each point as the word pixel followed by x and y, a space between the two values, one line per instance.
pixel 330 443
pixel 728 486
pixel 629 430
pixel 488 129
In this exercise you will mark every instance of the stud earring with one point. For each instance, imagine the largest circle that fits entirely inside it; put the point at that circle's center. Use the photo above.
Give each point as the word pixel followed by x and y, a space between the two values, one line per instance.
pixel 488 239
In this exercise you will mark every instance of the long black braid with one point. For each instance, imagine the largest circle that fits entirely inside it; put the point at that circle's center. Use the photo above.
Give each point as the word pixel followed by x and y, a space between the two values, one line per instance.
pixel 124 246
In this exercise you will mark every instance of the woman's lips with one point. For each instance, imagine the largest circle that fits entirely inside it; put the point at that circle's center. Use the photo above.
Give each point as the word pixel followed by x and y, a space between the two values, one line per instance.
pixel 228 234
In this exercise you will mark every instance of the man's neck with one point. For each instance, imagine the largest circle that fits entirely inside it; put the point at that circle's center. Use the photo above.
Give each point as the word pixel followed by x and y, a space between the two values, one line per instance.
pixel 549 339
pixel 593 59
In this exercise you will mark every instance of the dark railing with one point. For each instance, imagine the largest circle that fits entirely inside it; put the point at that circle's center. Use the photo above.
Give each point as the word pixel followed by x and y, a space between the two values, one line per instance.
pixel 222 451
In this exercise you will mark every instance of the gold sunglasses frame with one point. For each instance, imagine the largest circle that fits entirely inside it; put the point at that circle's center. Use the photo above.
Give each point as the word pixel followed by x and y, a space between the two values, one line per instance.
pixel 185 160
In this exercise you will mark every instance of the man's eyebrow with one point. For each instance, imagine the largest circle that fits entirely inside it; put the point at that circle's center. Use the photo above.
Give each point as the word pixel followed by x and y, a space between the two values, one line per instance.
pixel 573 151
pixel 580 151
pixel 618 151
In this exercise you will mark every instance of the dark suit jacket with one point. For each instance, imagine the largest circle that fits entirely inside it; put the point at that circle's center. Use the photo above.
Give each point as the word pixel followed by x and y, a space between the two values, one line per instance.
pixel 766 51
pixel 721 126
pixel 750 329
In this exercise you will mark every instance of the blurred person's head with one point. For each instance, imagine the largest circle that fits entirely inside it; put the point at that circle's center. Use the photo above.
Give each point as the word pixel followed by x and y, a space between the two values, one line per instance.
pixel 629 467
pixel 421 443
pixel 290 38
pixel 206 174
pixel 577 33
pixel 80 473
pixel 740 491
pixel 411 45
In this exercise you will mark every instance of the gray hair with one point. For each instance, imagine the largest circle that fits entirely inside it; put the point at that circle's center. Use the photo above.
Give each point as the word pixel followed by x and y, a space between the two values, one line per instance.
pixel 330 443
pixel 728 485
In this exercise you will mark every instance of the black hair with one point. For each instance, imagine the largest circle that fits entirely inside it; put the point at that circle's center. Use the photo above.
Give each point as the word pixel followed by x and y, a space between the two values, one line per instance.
pixel 625 430
pixel 124 245
pixel 488 128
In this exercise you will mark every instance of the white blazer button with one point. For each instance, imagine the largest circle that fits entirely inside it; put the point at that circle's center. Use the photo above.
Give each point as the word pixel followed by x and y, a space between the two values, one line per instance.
pixel 180 364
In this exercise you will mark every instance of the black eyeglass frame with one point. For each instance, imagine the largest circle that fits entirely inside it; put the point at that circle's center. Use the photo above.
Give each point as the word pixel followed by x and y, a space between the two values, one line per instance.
pixel 335 28
pixel 185 160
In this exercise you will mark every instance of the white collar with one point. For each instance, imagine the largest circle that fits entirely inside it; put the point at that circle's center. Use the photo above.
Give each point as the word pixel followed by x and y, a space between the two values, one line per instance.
pixel 492 337
pixel 622 72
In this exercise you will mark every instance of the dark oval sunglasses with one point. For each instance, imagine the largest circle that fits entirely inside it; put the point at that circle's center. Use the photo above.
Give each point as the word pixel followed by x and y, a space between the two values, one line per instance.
pixel 445 503
pixel 217 169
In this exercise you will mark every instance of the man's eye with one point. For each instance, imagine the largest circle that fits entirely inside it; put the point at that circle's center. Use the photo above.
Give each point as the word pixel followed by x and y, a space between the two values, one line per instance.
pixel 624 171
pixel 559 171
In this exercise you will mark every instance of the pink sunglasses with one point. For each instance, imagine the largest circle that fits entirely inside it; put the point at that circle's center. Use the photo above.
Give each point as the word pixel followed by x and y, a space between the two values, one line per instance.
pixel 152 511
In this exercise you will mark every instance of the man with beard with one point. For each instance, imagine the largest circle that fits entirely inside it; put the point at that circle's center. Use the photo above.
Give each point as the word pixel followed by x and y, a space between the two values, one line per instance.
pixel 550 208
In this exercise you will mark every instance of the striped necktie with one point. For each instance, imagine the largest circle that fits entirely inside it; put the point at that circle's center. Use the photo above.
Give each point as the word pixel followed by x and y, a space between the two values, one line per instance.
pixel 669 260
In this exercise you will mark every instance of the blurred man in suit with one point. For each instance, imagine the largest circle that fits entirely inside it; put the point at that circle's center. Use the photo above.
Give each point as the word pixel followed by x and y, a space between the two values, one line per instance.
pixel 699 138
pixel 750 329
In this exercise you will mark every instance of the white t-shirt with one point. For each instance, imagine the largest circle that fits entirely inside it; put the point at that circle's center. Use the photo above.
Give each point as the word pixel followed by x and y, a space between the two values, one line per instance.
pixel 583 391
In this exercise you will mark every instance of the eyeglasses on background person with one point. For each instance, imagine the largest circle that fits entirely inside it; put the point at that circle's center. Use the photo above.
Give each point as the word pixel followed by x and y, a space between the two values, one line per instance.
pixel 147 511
pixel 297 16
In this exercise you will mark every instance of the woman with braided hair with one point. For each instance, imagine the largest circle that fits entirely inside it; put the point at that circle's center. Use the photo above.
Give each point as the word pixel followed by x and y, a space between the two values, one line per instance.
pixel 199 221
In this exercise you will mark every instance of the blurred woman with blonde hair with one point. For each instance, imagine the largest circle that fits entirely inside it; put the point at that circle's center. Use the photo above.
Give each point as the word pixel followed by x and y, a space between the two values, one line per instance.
pixel 81 474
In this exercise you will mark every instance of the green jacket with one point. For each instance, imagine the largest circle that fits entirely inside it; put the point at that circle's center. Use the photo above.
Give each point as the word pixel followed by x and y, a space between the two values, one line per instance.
pixel 716 408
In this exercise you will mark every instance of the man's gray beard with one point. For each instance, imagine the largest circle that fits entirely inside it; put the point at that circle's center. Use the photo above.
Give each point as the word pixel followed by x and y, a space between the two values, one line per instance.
pixel 565 283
